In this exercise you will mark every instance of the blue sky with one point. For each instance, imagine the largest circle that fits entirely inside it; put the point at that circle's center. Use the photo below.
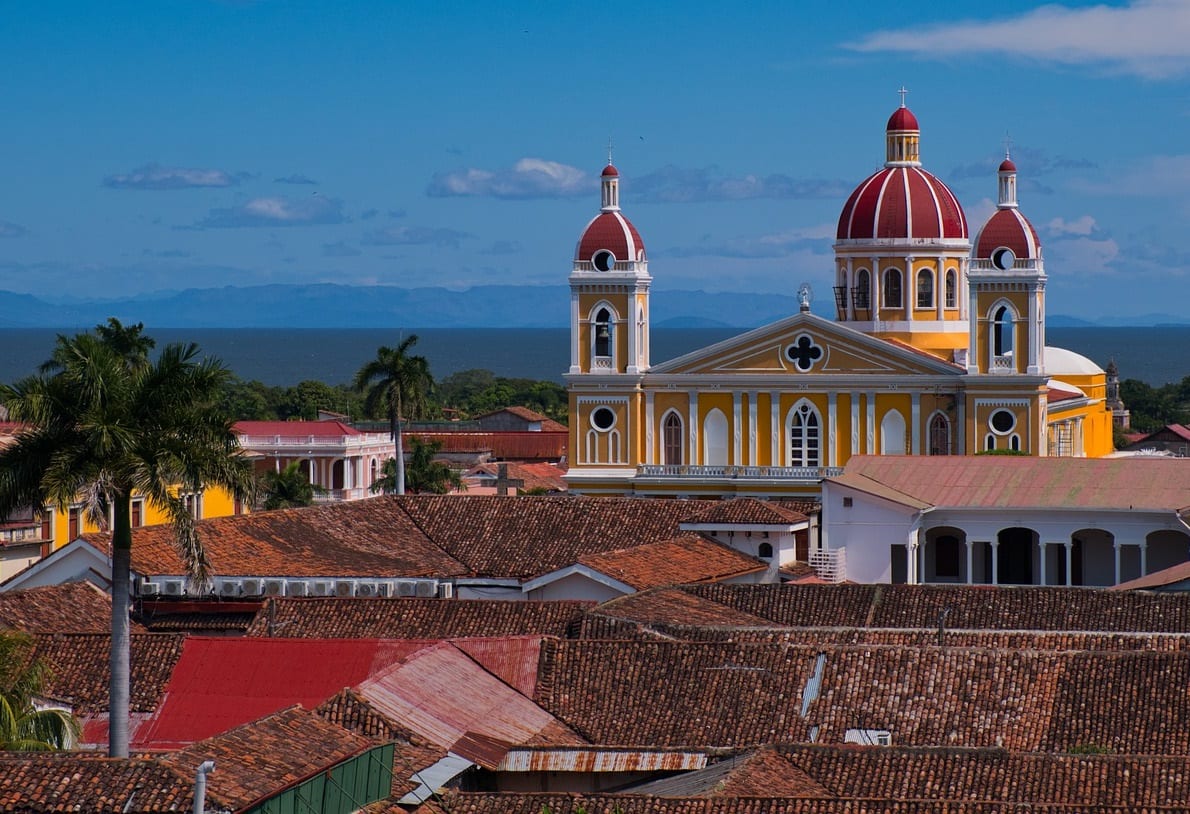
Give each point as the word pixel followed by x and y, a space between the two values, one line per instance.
pixel 169 145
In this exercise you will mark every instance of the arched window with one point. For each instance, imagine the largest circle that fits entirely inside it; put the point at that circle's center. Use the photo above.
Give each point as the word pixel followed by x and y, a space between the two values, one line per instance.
pixel 804 435
pixel 925 289
pixel 671 438
pixel 952 298
pixel 765 551
pixel 892 433
pixel 861 295
pixel 892 288
pixel 989 442
pixel 604 327
pixel 939 435
pixel 714 439
pixel 1014 442
pixel 1002 331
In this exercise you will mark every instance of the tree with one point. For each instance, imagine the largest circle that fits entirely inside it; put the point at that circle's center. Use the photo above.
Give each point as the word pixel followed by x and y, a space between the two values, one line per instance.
pixel 397 386
pixel 288 489
pixel 24 727
pixel 423 474
pixel 104 422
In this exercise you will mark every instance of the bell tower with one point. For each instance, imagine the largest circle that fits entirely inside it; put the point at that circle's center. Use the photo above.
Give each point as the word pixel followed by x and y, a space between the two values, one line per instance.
pixel 609 291
pixel 1007 289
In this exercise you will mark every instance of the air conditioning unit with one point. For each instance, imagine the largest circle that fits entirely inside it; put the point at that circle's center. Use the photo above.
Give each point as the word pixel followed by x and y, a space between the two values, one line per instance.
pixel 274 587
pixel 345 587
pixel 298 587
pixel 446 590
pixel 425 589
pixel 386 588
pixel 150 588
pixel 253 587
pixel 406 588
pixel 322 587
pixel 366 589
pixel 231 587
pixel 173 587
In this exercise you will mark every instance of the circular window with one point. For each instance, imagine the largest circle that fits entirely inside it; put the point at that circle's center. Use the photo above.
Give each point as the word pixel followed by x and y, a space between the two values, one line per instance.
pixel 1003 258
pixel 1002 421
pixel 603 260
pixel 603 419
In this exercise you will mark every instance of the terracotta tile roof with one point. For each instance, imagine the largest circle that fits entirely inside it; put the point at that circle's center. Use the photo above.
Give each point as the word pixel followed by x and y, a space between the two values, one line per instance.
pixel 198 623
pixel 372 537
pixel 540 476
pixel 547 424
pixel 80 671
pixel 662 608
pixel 679 560
pixel 74 607
pixel 1157 579
pixel 522 537
pixel 73 781
pixel 744 511
pixel 987 481
pixel 260 758
pixel 715 695
pixel 408 618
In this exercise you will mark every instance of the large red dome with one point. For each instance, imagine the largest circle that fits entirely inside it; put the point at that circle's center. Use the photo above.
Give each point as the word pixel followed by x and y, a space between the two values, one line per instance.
pixel 1008 229
pixel 612 232
pixel 902 203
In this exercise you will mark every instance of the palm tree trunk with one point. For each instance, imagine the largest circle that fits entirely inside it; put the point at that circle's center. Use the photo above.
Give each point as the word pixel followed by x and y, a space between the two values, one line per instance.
pixel 400 450
pixel 118 695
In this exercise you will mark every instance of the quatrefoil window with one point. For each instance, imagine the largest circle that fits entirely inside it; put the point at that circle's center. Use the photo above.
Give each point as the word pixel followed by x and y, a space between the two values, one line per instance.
pixel 803 353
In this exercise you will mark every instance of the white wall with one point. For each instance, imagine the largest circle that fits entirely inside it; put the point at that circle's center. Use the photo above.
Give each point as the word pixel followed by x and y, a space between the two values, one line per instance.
pixel 867 529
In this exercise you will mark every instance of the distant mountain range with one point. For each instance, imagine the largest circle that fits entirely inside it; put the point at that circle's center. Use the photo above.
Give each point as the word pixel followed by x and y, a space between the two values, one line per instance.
pixel 341 306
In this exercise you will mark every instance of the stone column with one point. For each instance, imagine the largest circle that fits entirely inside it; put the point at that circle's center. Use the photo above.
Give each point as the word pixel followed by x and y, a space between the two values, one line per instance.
pixel 1144 557
pixel 1069 563
pixel 1116 546
pixel 995 545
pixel 1041 552
pixel 970 561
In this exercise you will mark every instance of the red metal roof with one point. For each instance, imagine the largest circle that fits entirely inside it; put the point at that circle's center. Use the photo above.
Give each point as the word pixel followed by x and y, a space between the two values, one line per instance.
pixel 512 445
pixel 296 429
pixel 902 202
pixel 220 683
pixel 1008 228
pixel 1007 165
pixel 610 171
pixel 902 119
pixel 613 232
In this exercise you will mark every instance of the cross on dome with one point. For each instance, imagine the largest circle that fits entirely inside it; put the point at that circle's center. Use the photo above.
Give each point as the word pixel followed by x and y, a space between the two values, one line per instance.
pixel 904 90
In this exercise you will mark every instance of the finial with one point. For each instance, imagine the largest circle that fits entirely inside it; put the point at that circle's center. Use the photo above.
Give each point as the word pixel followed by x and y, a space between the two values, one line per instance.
pixel 609 151
pixel 1007 145
pixel 903 91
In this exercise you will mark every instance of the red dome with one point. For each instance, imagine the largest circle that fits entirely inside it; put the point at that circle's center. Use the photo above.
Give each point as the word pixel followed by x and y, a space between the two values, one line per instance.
pixel 902 119
pixel 1007 166
pixel 1009 229
pixel 902 202
pixel 612 232
pixel 610 171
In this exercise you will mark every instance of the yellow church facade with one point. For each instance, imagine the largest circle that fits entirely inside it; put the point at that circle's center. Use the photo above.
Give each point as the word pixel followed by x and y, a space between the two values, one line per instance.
pixel 936 347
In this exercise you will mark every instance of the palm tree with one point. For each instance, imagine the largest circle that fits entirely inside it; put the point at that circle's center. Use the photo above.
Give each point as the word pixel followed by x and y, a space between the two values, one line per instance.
pixel 395 384
pixel 288 489
pixel 103 422
pixel 423 473
pixel 24 727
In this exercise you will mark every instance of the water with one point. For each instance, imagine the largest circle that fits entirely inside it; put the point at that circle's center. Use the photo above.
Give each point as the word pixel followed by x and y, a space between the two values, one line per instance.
pixel 287 356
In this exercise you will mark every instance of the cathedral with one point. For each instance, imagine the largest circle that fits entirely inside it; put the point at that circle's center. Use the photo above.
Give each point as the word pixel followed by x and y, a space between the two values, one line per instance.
pixel 936 347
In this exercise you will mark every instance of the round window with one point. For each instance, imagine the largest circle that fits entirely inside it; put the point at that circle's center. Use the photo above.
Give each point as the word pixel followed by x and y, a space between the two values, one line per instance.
pixel 1003 258
pixel 603 260
pixel 603 418
pixel 1002 421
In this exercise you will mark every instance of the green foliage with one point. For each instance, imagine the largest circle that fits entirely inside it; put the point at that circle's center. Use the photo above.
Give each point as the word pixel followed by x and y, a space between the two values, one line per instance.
pixel 423 474
pixel 1154 407
pixel 396 384
pixel 1002 452
pixel 288 489
pixel 23 727
pixel 476 392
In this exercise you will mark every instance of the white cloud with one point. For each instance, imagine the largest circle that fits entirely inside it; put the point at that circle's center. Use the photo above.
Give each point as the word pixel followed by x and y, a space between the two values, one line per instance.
pixel 276 212
pixel 415 236
pixel 1083 226
pixel 1082 256
pixel 528 178
pixel 672 184
pixel 1148 38
pixel 780 244
pixel 8 229
pixel 157 177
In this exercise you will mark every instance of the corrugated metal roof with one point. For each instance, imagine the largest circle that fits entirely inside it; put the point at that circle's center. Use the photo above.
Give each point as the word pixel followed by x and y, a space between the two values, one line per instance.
pixel 600 760
pixel 994 481
pixel 442 694
pixel 220 683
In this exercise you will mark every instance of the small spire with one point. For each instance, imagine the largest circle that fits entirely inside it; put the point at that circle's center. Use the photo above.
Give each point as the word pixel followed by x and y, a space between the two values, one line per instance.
pixel 1007 145
pixel 609 151
pixel 903 91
